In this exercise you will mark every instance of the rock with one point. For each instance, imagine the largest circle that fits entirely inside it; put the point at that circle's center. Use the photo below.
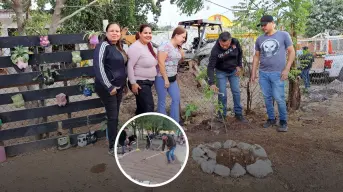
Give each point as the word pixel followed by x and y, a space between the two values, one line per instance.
pixel 229 144
pixel 201 146
pixel 211 154
pixel 208 166
pixel 243 146
pixel 237 171
pixel 235 150
pixel 197 152
pixel 268 161
pixel 222 170
pixel 199 160
pixel 217 145
pixel 258 151
pixel 259 169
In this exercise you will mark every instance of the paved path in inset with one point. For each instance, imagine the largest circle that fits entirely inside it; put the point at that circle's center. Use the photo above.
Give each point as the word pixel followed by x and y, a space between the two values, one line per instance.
pixel 154 169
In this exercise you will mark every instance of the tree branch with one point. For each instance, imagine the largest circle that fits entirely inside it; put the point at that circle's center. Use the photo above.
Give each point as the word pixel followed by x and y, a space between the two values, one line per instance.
pixel 76 12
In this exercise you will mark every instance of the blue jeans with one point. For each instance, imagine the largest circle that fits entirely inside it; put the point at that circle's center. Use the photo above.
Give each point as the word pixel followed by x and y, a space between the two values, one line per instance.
pixel 273 87
pixel 305 75
pixel 222 78
pixel 170 154
pixel 174 93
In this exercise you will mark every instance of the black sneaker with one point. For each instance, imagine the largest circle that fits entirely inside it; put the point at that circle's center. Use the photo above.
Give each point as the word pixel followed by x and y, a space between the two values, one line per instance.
pixel 270 122
pixel 283 127
pixel 241 119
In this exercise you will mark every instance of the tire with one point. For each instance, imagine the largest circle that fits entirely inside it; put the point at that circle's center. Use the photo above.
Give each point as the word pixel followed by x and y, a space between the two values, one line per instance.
pixel 340 76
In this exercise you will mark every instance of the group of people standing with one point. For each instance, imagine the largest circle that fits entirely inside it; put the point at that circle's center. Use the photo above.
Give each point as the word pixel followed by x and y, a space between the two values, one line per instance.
pixel 144 68
pixel 138 69
pixel 274 54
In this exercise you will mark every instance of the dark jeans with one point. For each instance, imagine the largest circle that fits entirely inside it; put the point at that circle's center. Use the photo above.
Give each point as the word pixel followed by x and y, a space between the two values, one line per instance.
pixel 305 75
pixel 222 78
pixel 112 105
pixel 144 99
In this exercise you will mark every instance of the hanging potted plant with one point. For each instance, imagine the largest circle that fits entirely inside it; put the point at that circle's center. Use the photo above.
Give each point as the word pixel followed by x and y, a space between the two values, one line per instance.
pixel 86 88
pixel 44 41
pixel 93 37
pixel 18 100
pixel 76 56
pixel 20 56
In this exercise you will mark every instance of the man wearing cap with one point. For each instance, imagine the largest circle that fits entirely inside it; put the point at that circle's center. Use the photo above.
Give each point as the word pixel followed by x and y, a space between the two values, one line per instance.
pixel 226 61
pixel 270 52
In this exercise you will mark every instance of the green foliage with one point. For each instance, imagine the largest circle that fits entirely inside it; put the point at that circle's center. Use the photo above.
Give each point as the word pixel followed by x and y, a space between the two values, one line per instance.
pixel 155 123
pixel 190 108
pixel 188 7
pixel 37 23
pixel 128 13
pixel 5 5
pixel 324 15
pixel 292 14
pixel 83 83
pixel 293 74
pixel 202 74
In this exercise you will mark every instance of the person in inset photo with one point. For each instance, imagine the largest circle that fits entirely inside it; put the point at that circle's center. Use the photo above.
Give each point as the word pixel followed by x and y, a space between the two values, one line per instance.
pixel 170 142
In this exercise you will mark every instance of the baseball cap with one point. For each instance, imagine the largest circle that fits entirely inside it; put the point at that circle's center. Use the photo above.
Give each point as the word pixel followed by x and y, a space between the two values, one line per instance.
pixel 265 19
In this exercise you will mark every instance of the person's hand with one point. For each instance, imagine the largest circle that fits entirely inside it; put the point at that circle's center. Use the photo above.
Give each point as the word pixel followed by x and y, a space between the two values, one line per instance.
pixel 238 71
pixel 214 88
pixel 284 74
pixel 113 92
pixel 166 83
pixel 135 88
pixel 253 78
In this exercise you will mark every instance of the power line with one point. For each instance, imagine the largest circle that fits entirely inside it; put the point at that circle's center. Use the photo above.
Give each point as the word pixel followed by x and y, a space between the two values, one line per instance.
pixel 221 6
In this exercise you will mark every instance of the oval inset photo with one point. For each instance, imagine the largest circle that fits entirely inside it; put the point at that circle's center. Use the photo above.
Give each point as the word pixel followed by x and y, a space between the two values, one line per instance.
pixel 152 149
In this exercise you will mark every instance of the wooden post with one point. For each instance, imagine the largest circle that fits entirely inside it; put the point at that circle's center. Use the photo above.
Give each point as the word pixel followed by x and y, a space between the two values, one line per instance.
pixel 104 24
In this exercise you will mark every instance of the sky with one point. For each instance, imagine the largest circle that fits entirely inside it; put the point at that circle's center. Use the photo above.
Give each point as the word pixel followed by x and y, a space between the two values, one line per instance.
pixel 170 14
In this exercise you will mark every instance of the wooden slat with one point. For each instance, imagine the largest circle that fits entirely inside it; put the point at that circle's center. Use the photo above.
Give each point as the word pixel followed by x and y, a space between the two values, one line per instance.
pixel 15 80
pixel 49 110
pixel 41 94
pixel 32 130
pixel 46 58
pixel 29 41
pixel 18 149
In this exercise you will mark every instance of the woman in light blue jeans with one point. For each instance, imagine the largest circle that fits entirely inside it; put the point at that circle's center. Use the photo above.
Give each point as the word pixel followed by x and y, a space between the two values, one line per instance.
pixel 169 55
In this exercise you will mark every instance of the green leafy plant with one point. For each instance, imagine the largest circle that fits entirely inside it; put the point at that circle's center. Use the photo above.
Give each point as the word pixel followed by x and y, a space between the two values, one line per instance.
pixel 20 56
pixel 83 83
pixel 93 36
pixel 190 108
pixel 293 74
pixel 48 76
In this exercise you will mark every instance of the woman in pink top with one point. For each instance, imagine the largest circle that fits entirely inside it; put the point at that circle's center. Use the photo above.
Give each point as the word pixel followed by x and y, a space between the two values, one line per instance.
pixel 142 70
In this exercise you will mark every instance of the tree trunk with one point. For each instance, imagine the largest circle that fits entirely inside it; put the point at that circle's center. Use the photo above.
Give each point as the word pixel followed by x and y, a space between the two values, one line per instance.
pixel 294 95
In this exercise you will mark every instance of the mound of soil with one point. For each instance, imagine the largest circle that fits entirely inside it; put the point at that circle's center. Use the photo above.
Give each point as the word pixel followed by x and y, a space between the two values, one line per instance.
pixel 228 157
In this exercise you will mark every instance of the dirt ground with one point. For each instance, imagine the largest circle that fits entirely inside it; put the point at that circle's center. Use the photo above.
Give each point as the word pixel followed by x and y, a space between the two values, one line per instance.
pixel 307 158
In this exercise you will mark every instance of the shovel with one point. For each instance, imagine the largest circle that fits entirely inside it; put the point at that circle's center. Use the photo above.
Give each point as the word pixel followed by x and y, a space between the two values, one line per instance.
pixel 152 156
